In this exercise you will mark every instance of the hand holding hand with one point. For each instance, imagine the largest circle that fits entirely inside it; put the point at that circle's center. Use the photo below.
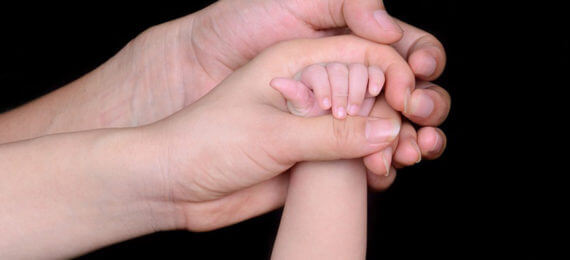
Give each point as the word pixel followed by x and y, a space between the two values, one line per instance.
pixel 221 155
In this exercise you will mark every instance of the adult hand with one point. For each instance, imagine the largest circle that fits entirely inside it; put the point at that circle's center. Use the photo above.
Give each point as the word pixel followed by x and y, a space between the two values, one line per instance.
pixel 172 65
pixel 281 20
pixel 218 158
pixel 219 161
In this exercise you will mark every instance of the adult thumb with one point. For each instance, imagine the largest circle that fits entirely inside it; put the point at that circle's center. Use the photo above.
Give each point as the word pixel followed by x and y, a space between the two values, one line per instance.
pixel 369 19
pixel 326 138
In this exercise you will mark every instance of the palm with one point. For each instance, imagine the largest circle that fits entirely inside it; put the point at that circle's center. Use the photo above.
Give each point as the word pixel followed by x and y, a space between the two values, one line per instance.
pixel 223 40
pixel 194 54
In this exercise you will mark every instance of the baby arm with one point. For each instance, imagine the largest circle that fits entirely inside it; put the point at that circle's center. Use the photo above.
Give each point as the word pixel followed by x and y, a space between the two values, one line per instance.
pixel 325 211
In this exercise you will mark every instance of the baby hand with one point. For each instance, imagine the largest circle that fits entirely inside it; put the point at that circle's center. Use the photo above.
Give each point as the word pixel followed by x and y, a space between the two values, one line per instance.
pixel 351 88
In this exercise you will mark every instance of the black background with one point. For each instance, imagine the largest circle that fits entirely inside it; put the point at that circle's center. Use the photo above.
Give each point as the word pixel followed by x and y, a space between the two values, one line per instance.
pixel 480 198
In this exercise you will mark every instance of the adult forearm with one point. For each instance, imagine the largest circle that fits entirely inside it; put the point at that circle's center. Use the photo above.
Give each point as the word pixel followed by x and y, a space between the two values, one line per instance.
pixel 63 195
pixel 127 90
pixel 88 103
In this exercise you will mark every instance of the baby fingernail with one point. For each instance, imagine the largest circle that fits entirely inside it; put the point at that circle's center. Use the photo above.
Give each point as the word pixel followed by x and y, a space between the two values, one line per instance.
pixel 421 104
pixel 353 110
pixel 340 112
pixel 386 21
pixel 373 90
pixel 326 103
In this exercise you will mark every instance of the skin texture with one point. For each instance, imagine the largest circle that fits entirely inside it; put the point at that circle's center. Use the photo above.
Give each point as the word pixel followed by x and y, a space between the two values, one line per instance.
pixel 170 66
pixel 325 212
pixel 210 184
pixel 175 175
pixel 328 194
pixel 99 187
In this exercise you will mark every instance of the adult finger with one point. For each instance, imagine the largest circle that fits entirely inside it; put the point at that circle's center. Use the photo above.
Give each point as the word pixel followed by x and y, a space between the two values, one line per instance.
pixel 424 52
pixel 432 142
pixel 407 152
pixel 379 162
pixel 381 182
pixel 399 78
pixel 326 138
pixel 366 18
pixel 369 19
pixel 430 104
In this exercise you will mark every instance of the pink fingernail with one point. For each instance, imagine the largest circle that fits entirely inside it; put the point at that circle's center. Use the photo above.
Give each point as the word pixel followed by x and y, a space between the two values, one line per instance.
pixel 428 67
pixel 421 104
pixel 436 144
pixel 340 112
pixel 374 89
pixel 386 21
pixel 326 103
pixel 379 130
pixel 353 110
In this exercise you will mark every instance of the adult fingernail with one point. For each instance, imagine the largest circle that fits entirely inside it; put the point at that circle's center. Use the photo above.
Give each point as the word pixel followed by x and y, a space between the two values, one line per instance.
pixel 379 130
pixel 428 66
pixel 436 144
pixel 386 21
pixel 406 100
pixel 391 171
pixel 386 158
pixel 421 104
pixel 417 148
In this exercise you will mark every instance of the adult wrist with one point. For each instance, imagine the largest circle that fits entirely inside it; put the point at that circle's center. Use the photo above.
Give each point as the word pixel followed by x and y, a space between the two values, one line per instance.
pixel 138 168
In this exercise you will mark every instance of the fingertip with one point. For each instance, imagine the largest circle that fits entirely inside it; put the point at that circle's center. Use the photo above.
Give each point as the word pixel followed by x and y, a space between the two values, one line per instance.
pixel 423 64
pixel 369 19
pixel 376 80
pixel 325 103
pixel 431 141
pixel 285 86
pixel 429 105
pixel 381 182
pixel 339 113
pixel 421 104
pixel 277 83
pixel 387 24
pixel 426 62
pixel 379 163
pixel 408 153
pixel 353 109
